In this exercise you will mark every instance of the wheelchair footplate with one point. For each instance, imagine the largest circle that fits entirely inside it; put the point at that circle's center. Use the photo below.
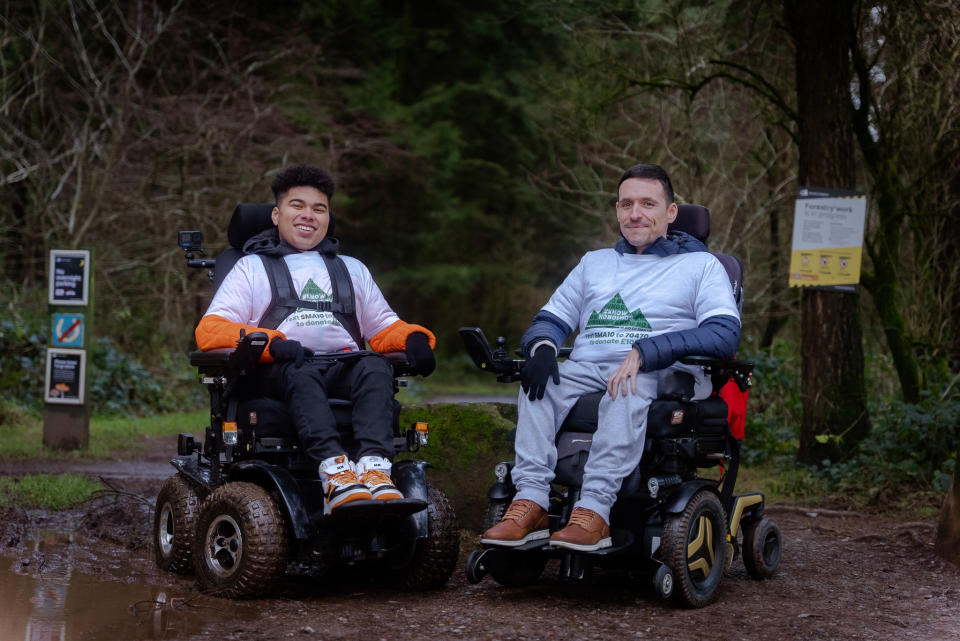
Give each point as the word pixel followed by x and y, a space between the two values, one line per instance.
pixel 621 539
pixel 374 509
pixel 539 545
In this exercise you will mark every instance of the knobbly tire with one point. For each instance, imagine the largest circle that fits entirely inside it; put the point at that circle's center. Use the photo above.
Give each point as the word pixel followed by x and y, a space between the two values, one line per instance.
pixel 174 524
pixel 695 548
pixel 241 546
pixel 435 557
pixel 762 546
pixel 494 512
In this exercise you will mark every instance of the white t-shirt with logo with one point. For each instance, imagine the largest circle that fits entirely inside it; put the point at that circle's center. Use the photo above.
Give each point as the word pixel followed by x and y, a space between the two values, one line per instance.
pixel 244 297
pixel 615 299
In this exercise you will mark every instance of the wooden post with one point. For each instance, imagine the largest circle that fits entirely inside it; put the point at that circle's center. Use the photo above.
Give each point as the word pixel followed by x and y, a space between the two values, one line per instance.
pixel 66 413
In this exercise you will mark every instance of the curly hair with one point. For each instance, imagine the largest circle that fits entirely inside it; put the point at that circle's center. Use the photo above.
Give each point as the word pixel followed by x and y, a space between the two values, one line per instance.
pixel 650 172
pixel 301 176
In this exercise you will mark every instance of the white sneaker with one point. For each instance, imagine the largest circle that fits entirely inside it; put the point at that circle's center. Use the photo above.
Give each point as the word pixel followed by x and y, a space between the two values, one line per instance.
pixel 340 483
pixel 374 472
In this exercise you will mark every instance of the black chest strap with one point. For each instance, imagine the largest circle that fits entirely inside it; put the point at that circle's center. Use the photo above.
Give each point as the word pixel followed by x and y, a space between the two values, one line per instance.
pixel 285 301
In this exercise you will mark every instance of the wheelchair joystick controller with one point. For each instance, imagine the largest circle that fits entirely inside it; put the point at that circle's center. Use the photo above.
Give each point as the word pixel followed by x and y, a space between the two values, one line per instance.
pixel 501 352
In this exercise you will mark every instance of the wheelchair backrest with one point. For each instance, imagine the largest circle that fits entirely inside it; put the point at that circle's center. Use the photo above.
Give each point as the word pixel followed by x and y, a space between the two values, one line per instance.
pixel 695 220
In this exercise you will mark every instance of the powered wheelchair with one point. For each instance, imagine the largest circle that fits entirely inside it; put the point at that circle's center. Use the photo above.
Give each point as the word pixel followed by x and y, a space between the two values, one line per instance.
pixel 246 504
pixel 668 523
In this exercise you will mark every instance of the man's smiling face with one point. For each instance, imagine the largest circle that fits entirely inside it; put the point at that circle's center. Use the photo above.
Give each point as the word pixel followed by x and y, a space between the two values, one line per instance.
pixel 302 217
pixel 643 211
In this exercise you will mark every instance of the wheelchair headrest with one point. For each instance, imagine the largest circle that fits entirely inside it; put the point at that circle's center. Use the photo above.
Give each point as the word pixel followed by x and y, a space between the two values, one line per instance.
pixel 249 219
pixel 692 219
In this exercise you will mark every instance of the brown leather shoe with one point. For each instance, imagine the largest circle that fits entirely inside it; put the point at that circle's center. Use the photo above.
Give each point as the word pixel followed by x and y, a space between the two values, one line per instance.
pixel 524 521
pixel 585 531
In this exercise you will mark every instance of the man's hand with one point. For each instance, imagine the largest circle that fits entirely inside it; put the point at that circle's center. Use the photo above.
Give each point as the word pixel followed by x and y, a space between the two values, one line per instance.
pixel 419 355
pixel 537 370
pixel 617 383
pixel 284 349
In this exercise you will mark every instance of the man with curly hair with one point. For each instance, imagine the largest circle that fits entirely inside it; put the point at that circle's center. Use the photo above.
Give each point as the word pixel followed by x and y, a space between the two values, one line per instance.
pixel 301 219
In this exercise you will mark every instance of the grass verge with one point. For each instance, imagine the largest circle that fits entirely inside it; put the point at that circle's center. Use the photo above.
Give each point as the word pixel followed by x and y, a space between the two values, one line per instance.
pixel 46 491
pixel 109 436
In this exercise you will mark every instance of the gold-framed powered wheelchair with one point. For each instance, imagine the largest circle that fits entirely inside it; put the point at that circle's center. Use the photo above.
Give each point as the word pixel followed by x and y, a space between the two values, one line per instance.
pixel 672 521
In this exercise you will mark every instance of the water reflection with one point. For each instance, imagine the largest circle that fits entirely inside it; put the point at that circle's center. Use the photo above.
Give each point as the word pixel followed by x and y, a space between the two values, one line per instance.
pixel 44 599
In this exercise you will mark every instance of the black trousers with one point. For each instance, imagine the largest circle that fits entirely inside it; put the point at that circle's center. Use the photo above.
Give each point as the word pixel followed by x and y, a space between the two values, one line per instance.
pixel 366 380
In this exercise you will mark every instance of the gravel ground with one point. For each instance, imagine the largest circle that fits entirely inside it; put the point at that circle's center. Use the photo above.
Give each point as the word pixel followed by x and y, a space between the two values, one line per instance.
pixel 843 576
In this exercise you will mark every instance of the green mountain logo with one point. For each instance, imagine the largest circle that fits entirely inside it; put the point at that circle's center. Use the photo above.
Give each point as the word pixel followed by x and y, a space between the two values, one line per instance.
pixel 616 314
pixel 311 291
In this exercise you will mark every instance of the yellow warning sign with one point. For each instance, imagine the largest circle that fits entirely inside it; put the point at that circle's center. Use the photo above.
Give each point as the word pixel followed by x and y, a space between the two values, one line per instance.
pixel 827 238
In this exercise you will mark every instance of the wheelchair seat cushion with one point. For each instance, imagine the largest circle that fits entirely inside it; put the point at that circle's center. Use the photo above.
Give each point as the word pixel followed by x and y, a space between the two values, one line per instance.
pixel 666 418
pixel 269 417
pixel 583 416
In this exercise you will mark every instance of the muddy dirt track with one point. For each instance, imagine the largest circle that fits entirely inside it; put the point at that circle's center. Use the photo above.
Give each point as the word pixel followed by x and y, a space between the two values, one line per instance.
pixel 843 576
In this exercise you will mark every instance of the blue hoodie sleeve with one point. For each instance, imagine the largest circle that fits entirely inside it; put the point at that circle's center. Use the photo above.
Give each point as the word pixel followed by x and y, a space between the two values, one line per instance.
pixel 546 326
pixel 717 337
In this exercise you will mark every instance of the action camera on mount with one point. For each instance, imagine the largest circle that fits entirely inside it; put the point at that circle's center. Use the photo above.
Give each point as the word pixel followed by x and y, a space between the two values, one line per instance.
pixel 190 240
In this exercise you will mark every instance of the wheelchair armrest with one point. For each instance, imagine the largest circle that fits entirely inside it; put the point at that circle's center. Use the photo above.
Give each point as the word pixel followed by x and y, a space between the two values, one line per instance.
pixel 488 359
pixel 218 357
pixel 401 366
pixel 242 357
pixel 720 371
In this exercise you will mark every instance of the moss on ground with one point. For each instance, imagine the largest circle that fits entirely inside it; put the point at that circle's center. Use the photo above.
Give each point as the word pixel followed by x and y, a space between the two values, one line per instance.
pixel 466 441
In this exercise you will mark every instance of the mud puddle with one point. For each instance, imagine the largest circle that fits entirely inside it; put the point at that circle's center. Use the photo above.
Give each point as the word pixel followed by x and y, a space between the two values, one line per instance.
pixel 48 594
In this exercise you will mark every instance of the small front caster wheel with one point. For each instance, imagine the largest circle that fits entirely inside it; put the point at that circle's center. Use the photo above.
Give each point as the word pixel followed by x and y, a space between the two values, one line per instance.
pixel 663 582
pixel 761 548
pixel 475 568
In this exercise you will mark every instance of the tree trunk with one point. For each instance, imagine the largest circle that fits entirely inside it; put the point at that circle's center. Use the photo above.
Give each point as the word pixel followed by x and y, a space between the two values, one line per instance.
pixel 948 531
pixel 832 379
pixel 834 391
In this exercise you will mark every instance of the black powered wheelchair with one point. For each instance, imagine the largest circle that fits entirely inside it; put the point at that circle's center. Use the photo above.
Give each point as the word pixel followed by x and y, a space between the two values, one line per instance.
pixel 668 523
pixel 246 505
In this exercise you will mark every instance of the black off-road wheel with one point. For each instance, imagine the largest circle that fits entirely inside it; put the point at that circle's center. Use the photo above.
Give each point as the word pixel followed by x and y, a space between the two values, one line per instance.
pixel 695 548
pixel 435 557
pixel 494 512
pixel 761 548
pixel 174 524
pixel 241 545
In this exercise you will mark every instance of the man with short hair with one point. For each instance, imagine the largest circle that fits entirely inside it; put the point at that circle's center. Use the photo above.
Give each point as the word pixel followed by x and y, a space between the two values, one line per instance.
pixel 302 217
pixel 639 307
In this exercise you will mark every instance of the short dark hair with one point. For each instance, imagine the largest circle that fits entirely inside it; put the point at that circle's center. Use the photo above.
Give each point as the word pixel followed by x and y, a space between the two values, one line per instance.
pixel 650 172
pixel 301 176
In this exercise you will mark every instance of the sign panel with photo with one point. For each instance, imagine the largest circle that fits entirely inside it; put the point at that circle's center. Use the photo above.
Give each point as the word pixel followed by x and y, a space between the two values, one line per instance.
pixel 65 376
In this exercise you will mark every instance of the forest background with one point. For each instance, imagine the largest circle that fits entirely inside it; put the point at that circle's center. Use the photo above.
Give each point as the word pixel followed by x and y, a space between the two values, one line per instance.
pixel 477 148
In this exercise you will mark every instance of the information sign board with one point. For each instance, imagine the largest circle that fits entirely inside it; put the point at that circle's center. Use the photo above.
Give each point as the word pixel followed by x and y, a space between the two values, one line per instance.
pixel 69 276
pixel 65 376
pixel 827 238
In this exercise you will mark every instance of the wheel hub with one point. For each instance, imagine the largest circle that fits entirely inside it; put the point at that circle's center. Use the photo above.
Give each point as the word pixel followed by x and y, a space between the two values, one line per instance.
pixel 166 534
pixel 224 547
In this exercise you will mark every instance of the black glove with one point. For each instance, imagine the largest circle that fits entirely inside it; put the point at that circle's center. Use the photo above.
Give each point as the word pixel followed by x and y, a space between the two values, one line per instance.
pixel 537 370
pixel 284 349
pixel 419 354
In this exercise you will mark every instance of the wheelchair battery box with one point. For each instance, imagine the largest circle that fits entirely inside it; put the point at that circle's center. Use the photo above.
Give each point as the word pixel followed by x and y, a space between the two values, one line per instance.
pixel 676 419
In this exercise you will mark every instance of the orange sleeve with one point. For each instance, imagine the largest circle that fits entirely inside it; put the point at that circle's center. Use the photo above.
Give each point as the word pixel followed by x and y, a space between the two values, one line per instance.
pixel 216 331
pixel 394 338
